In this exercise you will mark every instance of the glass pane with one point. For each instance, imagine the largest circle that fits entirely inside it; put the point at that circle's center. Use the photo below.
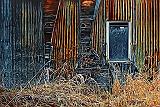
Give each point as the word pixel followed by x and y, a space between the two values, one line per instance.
pixel 118 42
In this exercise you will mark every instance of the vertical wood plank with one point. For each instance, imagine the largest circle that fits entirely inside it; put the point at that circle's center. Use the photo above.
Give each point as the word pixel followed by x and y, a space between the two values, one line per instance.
pixel 116 5
pixel 158 24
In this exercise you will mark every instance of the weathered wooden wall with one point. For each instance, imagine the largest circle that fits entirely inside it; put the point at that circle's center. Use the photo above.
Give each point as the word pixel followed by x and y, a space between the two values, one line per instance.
pixel 64 36
pixel 5 41
pixel 99 29
pixel 145 18
pixel 50 8
pixel 21 40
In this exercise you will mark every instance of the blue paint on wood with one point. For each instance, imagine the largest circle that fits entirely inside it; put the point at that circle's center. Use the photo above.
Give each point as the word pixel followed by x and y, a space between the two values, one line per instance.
pixel 21 41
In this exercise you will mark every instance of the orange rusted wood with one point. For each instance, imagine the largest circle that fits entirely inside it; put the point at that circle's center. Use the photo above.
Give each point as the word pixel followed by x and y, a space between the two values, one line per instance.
pixel 146 26
pixel 64 36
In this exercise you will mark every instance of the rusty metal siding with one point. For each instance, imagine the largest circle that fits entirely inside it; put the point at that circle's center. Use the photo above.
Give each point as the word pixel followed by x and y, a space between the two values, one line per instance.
pixel 64 36
pixel 22 47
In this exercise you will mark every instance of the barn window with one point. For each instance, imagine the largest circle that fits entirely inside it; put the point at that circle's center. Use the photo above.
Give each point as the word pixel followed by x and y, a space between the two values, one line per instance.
pixel 118 41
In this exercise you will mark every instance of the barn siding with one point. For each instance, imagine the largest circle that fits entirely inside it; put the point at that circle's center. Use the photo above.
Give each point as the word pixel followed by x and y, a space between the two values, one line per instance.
pixel 21 42
pixel 145 18
pixel 98 29
pixel 64 36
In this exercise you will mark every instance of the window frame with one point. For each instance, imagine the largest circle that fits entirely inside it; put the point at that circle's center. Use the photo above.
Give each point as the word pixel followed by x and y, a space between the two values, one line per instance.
pixel 107 40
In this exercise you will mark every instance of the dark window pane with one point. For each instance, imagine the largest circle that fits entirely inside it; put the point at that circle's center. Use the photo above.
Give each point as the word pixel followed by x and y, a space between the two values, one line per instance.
pixel 118 43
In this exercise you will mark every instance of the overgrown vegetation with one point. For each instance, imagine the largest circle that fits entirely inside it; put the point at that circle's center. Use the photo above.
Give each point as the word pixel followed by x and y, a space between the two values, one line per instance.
pixel 137 92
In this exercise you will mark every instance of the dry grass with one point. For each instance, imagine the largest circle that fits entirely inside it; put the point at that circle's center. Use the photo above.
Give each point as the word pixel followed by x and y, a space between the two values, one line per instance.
pixel 74 93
